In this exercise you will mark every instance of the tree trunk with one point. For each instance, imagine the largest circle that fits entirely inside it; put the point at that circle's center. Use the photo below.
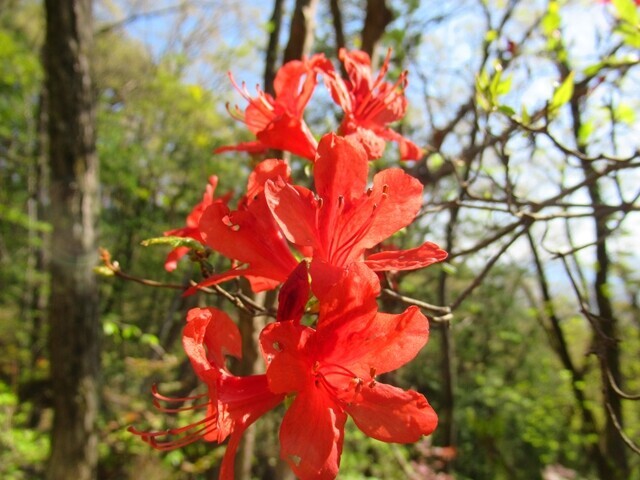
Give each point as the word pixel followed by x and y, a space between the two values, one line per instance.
pixel 251 363
pixel 336 15
pixel 271 55
pixel 73 306
pixel 605 324
pixel 376 21
pixel 301 33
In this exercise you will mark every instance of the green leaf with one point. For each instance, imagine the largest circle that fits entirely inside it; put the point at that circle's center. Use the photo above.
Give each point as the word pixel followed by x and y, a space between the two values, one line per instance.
pixel 586 129
pixel 507 110
pixel 627 11
pixel 629 26
pixel 435 161
pixel 149 339
pixel 624 113
pixel 551 21
pixel 174 242
pixel 526 118
pixel 103 271
pixel 110 328
pixel 449 268
pixel 491 36
pixel 562 94
pixel 21 219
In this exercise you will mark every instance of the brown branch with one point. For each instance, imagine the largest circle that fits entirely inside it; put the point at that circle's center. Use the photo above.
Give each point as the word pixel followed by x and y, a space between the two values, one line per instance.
pixel 616 423
pixel 114 267
pixel 618 390
pixel 478 280
pixel 446 311
pixel 240 301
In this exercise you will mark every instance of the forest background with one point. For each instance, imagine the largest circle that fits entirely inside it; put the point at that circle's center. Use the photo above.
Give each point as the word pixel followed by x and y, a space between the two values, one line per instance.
pixel 528 113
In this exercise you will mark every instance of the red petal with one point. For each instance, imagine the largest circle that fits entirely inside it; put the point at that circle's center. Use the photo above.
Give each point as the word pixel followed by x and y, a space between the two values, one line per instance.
pixel 408 149
pixel 378 344
pixel 311 436
pixel 370 141
pixel 244 400
pixel 258 278
pixel 249 236
pixel 294 208
pixel 289 92
pixel 294 294
pixel 358 66
pixel 251 147
pixel 398 198
pixel 324 277
pixel 213 329
pixel 270 169
pixel 290 134
pixel 390 414
pixel 260 284
pixel 283 346
pixel 351 298
pixel 171 262
pixel 341 170
pixel 418 257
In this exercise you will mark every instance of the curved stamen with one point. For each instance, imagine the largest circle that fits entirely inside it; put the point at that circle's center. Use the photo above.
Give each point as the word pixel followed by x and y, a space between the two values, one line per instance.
pixel 156 394
pixel 151 437
pixel 197 406
pixel 369 109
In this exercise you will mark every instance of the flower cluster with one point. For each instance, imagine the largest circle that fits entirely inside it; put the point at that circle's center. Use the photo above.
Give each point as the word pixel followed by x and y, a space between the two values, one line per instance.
pixel 324 242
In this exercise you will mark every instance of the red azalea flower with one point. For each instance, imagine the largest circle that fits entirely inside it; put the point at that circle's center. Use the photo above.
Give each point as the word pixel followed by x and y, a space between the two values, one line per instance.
pixel 249 235
pixel 191 229
pixel 331 371
pixel 231 403
pixel 345 218
pixel 370 105
pixel 277 122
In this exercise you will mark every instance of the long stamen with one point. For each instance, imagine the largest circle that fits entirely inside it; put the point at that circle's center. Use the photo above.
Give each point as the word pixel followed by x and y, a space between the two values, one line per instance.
pixel 370 109
pixel 159 396
pixel 162 409
pixel 235 113
pixel 261 103
pixel 151 437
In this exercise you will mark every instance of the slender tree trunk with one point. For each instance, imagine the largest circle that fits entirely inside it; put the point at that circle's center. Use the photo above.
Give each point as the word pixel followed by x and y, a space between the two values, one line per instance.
pixel 376 21
pixel 251 363
pixel 271 56
pixel 605 326
pixel 38 262
pixel 73 308
pixel 336 15
pixel 302 28
pixel 561 348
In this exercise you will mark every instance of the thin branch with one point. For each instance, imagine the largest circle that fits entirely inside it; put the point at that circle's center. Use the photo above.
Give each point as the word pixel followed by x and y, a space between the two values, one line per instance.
pixel 418 303
pixel 614 419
